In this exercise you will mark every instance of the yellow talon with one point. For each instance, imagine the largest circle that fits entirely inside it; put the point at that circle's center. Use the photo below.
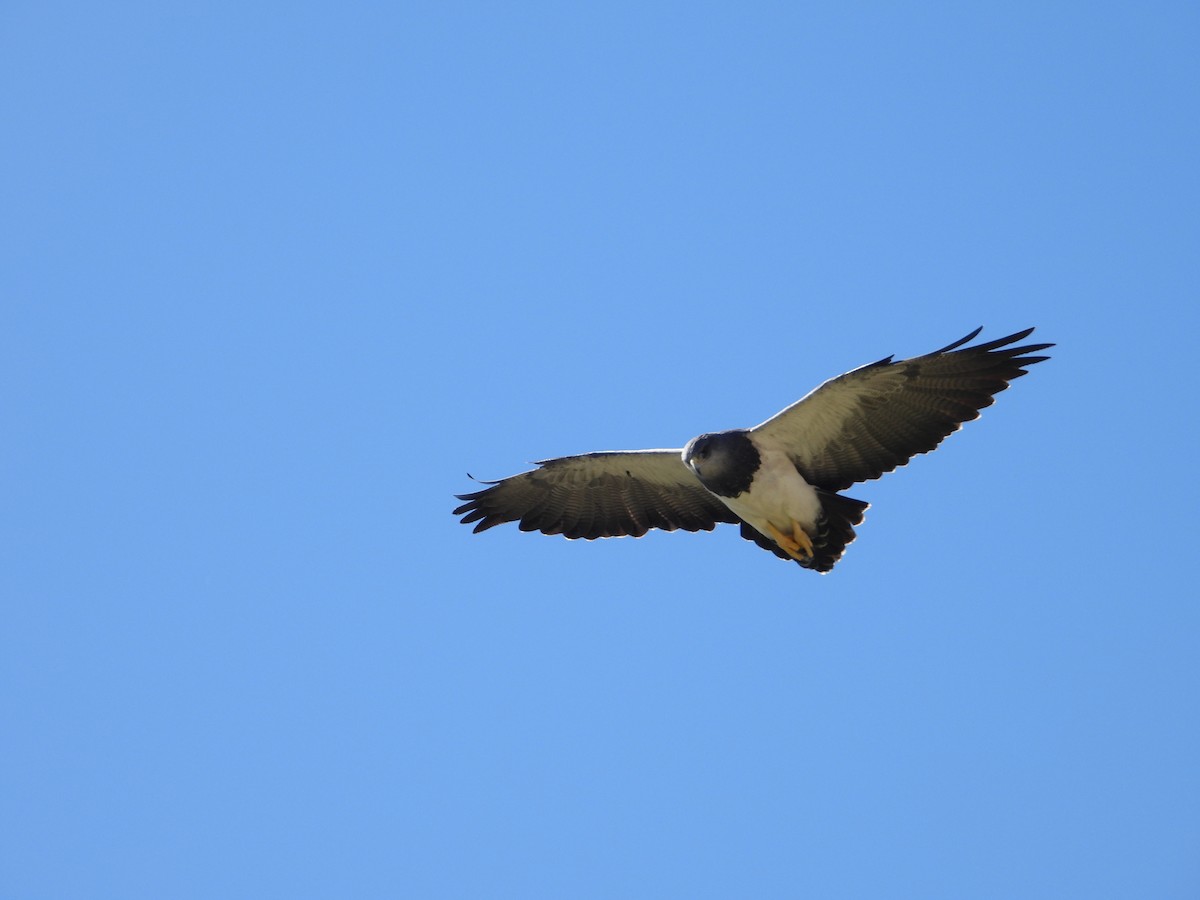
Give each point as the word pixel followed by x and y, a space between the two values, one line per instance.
pixel 793 545
pixel 800 536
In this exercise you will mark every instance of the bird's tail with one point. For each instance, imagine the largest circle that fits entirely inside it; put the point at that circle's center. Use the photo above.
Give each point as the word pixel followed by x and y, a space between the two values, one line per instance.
pixel 835 529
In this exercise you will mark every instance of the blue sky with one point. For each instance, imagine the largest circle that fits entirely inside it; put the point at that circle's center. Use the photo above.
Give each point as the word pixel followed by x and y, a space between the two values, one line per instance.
pixel 277 276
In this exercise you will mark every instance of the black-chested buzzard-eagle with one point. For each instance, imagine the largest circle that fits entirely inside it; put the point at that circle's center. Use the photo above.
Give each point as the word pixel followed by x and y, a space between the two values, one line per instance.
pixel 778 481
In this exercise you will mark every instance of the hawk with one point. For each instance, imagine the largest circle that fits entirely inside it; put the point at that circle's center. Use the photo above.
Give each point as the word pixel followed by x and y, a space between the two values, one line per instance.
pixel 779 482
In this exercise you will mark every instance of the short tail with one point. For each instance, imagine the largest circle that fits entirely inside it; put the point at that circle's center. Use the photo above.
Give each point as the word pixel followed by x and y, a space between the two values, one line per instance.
pixel 835 530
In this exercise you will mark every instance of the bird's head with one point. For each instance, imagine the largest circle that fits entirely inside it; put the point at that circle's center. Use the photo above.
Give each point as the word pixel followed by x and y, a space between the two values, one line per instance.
pixel 725 462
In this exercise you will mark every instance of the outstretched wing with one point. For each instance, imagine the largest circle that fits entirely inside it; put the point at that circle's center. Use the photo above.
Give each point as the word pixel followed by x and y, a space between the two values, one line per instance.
pixel 625 492
pixel 869 421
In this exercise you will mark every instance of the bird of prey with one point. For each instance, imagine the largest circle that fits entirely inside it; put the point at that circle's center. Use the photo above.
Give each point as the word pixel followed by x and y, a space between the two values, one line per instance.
pixel 778 481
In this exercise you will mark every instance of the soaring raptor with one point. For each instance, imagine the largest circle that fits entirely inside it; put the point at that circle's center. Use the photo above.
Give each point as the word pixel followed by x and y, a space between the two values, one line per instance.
pixel 778 481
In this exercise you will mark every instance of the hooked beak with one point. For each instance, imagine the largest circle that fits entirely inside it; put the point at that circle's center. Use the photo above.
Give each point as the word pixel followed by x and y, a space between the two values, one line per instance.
pixel 690 462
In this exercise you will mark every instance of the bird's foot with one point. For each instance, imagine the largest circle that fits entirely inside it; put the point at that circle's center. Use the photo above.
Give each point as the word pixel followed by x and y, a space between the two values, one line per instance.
pixel 798 545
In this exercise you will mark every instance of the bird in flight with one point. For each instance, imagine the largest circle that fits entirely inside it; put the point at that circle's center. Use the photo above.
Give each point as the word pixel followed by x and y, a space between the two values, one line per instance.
pixel 778 481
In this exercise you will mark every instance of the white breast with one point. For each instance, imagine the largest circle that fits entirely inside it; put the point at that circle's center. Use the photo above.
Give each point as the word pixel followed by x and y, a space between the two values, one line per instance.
pixel 777 495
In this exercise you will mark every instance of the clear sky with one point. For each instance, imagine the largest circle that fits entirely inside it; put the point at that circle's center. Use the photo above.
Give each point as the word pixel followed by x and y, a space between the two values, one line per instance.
pixel 274 277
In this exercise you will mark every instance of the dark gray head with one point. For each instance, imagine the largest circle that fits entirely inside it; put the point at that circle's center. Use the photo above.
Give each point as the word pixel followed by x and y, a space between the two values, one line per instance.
pixel 724 462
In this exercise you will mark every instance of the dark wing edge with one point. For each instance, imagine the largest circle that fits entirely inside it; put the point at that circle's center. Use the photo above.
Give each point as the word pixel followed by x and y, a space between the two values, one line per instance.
pixel 873 419
pixel 595 495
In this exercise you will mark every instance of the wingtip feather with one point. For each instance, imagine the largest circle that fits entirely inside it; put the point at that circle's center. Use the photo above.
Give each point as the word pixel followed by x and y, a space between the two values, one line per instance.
pixel 959 342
